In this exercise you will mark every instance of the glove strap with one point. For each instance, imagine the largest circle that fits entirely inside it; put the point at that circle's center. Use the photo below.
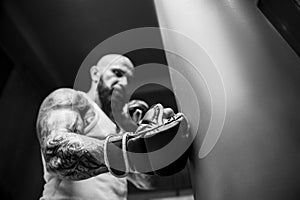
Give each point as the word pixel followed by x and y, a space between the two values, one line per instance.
pixel 115 150
pixel 105 154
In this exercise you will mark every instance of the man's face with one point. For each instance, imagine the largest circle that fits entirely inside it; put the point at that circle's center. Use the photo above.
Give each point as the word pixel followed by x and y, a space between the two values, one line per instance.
pixel 115 77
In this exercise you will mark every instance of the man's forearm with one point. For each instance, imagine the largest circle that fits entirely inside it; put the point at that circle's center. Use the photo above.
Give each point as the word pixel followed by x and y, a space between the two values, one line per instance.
pixel 72 156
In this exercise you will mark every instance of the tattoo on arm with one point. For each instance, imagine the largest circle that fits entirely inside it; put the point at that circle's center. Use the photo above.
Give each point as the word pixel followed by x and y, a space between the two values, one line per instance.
pixel 67 152
pixel 73 156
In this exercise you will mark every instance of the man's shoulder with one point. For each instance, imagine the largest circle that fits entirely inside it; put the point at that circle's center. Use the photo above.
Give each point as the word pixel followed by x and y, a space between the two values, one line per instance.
pixel 65 97
pixel 65 104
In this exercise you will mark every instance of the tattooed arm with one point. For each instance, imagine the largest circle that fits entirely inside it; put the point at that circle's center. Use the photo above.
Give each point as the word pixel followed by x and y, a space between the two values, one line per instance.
pixel 66 116
pixel 61 122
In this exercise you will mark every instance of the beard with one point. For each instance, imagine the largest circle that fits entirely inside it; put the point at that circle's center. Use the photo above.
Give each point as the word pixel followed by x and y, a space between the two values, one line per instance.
pixel 105 94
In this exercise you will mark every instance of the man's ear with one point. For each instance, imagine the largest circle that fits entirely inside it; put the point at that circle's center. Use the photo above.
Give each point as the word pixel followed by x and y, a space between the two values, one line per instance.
pixel 95 73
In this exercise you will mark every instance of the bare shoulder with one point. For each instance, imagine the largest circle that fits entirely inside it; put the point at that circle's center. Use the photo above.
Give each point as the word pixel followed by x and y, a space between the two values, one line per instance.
pixel 63 97
pixel 61 109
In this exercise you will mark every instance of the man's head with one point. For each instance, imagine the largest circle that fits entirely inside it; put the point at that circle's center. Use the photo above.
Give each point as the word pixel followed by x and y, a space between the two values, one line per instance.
pixel 111 73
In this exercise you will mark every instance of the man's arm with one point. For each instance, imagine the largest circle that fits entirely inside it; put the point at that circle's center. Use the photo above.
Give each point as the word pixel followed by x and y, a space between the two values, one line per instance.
pixel 67 152
pixel 66 115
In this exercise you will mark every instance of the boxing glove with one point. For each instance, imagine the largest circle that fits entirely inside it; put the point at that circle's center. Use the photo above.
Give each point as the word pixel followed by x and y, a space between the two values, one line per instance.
pixel 136 109
pixel 154 148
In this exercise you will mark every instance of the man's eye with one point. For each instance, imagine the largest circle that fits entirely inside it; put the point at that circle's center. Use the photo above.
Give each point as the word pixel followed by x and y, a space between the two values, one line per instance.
pixel 118 73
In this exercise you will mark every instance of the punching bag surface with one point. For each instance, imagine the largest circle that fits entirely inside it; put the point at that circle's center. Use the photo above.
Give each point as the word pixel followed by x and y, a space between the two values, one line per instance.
pixel 246 81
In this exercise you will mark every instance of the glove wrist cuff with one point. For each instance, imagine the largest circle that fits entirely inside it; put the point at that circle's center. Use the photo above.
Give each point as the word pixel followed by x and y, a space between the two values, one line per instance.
pixel 115 155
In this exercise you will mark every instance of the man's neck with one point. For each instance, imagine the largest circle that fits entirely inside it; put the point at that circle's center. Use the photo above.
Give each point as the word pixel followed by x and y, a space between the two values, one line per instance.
pixel 93 94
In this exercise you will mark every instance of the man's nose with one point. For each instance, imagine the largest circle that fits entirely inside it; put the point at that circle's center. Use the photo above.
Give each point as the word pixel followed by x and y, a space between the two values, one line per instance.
pixel 123 81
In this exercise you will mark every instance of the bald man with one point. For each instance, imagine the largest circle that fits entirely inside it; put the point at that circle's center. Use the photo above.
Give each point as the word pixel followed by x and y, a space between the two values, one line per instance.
pixel 110 74
pixel 79 132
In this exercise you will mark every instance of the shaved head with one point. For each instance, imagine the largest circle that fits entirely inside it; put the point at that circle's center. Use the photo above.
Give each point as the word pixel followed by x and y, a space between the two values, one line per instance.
pixel 113 59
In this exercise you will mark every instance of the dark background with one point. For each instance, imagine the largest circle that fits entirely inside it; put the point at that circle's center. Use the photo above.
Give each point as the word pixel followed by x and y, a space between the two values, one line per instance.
pixel 42 45
pixel 285 17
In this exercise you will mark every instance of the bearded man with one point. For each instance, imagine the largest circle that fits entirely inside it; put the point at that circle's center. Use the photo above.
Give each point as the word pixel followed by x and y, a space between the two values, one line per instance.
pixel 83 136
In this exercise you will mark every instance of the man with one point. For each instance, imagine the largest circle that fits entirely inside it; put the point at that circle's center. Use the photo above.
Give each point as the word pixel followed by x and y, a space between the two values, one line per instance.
pixel 76 136
pixel 110 76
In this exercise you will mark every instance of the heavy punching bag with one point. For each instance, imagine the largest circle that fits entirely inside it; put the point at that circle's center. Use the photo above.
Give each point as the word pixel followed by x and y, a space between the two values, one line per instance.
pixel 238 82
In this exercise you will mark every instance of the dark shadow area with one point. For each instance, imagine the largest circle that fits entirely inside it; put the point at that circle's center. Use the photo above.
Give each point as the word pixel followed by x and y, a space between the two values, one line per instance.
pixel 285 17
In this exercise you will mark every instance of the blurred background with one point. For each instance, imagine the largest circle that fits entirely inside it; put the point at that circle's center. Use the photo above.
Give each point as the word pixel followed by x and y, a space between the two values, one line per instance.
pixel 42 45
